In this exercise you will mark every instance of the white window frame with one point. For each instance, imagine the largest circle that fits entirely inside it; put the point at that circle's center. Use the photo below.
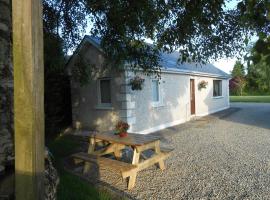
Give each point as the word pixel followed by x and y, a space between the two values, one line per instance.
pixel 100 104
pixel 221 85
pixel 159 102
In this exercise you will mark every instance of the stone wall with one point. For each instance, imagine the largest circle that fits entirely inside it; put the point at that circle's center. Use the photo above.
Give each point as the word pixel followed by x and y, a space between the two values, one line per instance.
pixel 6 86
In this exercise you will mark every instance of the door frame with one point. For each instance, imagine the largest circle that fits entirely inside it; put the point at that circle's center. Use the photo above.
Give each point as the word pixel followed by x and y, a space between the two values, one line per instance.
pixel 192 96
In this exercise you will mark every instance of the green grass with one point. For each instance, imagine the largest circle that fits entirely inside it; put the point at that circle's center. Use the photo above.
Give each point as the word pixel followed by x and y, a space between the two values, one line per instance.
pixel 70 186
pixel 257 99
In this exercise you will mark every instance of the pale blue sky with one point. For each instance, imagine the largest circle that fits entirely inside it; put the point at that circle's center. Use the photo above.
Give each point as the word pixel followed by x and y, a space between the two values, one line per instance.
pixel 232 4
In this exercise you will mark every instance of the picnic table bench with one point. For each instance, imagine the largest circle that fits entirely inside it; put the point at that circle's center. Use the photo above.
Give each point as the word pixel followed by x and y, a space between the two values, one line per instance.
pixel 113 144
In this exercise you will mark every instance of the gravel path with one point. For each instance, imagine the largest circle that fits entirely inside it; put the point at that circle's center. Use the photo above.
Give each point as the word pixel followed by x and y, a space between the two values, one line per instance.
pixel 222 156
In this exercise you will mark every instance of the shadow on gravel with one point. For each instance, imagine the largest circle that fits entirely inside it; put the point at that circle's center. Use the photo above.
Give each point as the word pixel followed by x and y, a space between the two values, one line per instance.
pixel 226 113
pixel 252 114
pixel 195 123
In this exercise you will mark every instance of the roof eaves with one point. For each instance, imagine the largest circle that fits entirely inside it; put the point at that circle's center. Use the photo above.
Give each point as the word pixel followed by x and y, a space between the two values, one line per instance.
pixel 86 38
pixel 189 72
pixel 186 72
pixel 93 42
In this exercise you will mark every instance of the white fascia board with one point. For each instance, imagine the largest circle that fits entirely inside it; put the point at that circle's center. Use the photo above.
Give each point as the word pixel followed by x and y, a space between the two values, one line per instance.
pixel 187 72
pixel 79 47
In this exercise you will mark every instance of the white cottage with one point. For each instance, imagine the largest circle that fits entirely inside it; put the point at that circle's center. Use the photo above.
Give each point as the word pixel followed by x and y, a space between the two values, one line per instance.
pixel 160 104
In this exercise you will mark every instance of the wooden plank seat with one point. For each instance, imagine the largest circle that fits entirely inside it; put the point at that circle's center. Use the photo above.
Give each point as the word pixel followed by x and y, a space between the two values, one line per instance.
pixel 125 169
pixel 165 150
pixel 155 159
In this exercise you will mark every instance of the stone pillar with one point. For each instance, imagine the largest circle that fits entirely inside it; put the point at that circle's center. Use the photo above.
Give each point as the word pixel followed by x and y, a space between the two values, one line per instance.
pixel 6 86
pixel 126 98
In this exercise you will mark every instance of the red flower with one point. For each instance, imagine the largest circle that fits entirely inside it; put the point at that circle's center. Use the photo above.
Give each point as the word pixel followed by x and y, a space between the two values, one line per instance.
pixel 121 127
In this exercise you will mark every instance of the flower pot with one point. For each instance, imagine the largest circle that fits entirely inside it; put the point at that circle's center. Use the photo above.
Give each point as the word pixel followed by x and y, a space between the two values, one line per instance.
pixel 136 87
pixel 123 134
pixel 136 83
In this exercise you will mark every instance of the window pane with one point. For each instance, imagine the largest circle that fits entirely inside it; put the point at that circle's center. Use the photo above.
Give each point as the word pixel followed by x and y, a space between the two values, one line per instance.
pixel 217 88
pixel 105 91
pixel 155 90
pixel 220 88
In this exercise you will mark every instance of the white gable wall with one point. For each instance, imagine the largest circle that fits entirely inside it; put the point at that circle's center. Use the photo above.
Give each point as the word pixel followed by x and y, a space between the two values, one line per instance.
pixel 175 105
pixel 86 111
pixel 174 91
pixel 205 102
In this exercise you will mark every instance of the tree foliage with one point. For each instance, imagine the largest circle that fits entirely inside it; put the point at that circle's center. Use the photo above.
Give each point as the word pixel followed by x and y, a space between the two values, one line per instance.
pixel 256 14
pixel 237 85
pixel 256 17
pixel 258 76
pixel 54 57
pixel 238 69
pixel 238 82
pixel 200 30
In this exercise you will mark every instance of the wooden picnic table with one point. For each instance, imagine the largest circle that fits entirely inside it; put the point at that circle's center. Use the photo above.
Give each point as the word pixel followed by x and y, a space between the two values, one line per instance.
pixel 113 144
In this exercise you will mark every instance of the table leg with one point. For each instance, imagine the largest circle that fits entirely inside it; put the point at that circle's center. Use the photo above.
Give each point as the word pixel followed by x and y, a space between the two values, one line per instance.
pixel 135 161
pixel 91 149
pixel 157 151
pixel 144 156
pixel 118 152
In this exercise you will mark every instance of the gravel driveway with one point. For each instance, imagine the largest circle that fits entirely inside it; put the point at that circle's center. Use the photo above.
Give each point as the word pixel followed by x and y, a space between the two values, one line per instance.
pixel 222 156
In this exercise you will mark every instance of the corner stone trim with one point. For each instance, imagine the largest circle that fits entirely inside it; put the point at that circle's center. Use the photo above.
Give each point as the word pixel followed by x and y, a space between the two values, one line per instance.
pixel 126 99
pixel 128 105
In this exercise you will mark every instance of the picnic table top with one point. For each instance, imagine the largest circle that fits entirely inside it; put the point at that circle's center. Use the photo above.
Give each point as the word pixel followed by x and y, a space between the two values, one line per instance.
pixel 131 140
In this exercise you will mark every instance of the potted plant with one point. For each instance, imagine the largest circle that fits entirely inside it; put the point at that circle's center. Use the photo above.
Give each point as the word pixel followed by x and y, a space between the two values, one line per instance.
pixel 136 83
pixel 121 128
pixel 202 84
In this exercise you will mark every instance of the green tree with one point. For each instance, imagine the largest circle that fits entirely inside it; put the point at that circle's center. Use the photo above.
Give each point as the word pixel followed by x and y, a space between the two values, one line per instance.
pixel 256 18
pixel 252 77
pixel 258 68
pixel 238 70
pixel 258 76
pixel 201 30
pixel 54 56
pixel 237 85
pixel 238 81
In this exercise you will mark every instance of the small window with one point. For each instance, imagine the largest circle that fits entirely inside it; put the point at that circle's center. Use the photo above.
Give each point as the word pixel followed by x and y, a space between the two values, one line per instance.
pixel 217 88
pixel 155 91
pixel 105 92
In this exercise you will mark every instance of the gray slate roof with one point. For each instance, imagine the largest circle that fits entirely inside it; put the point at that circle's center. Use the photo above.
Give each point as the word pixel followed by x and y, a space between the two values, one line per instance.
pixel 169 63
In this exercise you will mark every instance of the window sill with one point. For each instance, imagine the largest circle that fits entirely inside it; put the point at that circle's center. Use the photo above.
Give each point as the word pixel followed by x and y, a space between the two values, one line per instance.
pixel 103 107
pixel 218 97
pixel 156 105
